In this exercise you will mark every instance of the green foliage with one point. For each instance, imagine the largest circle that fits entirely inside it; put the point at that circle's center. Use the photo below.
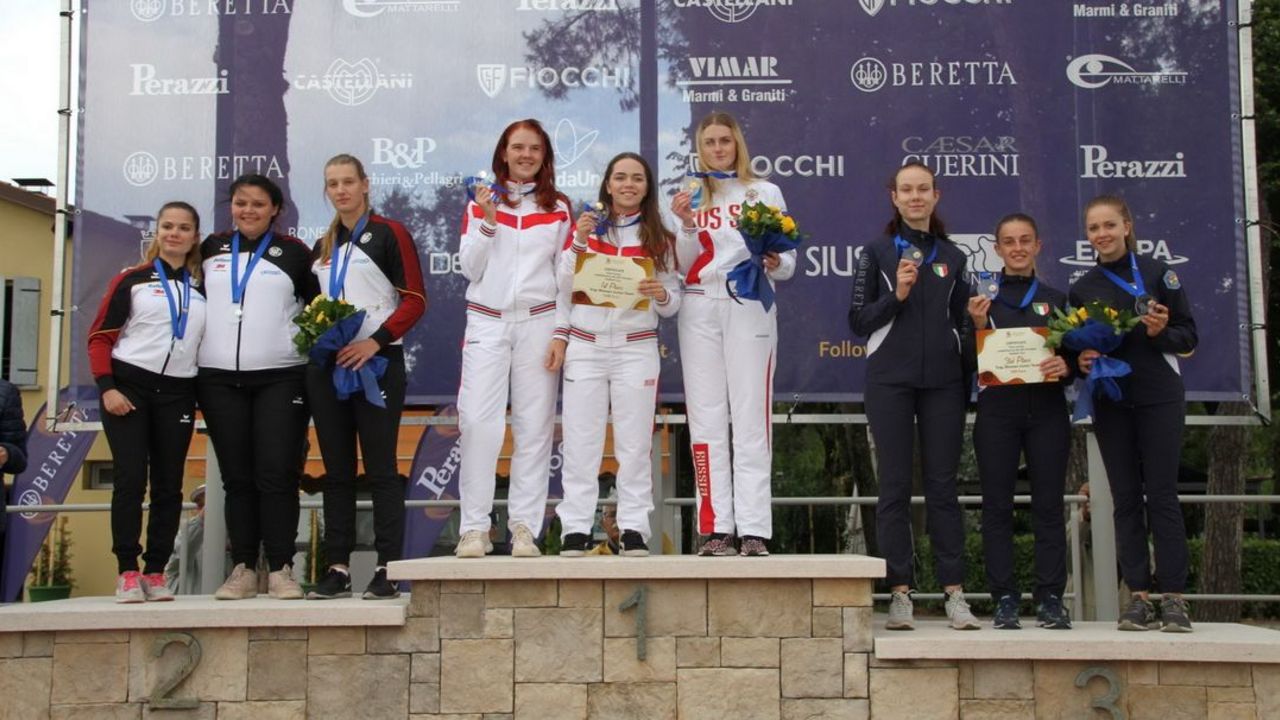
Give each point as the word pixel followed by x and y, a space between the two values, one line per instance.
pixel 1266 85
pixel 53 563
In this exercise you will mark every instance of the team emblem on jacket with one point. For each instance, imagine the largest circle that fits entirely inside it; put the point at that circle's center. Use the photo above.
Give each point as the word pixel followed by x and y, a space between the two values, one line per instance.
pixel 365 238
pixel 274 251
pixel 1040 309
pixel 752 195
pixel 1171 280
pixel 941 270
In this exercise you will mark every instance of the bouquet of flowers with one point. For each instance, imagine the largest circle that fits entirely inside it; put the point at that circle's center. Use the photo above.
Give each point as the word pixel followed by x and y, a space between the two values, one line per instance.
pixel 765 229
pixel 1094 326
pixel 325 326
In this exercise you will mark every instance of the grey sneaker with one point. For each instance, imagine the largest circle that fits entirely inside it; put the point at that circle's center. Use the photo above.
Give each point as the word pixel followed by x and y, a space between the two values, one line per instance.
pixel 282 586
pixel 242 584
pixel 958 611
pixel 129 588
pixel 901 612
pixel 473 544
pixel 522 544
pixel 1175 614
pixel 1139 616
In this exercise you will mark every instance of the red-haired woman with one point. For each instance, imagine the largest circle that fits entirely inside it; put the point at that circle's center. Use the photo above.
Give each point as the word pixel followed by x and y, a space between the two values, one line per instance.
pixel 512 236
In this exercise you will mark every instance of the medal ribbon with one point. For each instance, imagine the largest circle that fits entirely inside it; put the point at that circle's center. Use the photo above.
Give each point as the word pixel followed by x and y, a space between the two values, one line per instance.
pixel 238 287
pixel 177 314
pixel 713 174
pixel 1026 299
pixel 338 277
pixel 1137 288
pixel 903 246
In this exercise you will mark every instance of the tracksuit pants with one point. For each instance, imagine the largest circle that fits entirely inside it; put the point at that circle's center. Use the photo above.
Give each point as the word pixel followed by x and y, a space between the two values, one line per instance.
pixel 894 411
pixel 1034 424
pixel 258 423
pixel 609 373
pixel 727 352
pixel 339 423
pixel 1141 450
pixel 502 359
pixel 149 443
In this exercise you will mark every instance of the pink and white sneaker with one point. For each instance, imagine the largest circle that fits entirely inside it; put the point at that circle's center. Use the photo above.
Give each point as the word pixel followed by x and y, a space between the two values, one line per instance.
pixel 129 588
pixel 156 588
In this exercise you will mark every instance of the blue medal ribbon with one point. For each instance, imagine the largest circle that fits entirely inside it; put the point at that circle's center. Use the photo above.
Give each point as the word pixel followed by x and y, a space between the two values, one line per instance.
pixel 604 225
pixel 1137 288
pixel 473 181
pixel 716 174
pixel 338 276
pixel 1026 299
pixel 238 287
pixel 903 246
pixel 178 313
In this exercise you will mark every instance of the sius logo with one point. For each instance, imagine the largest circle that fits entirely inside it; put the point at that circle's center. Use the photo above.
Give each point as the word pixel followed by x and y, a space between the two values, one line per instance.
pixel 496 77
pixel 374 8
pixel 1158 249
pixel 964 155
pixel 731 11
pixel 141 168
pixel 870 74
pixel 568 5
pixel 355 83
pixel 402 156
pixel 1096 165
pixel 873 7
pixel 1094 71
pixel 151 10
pixel 799 165
pixel 145 82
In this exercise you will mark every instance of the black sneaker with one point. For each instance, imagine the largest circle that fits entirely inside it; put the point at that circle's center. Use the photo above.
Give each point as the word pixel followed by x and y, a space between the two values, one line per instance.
pixel 380 588
pixel 1052 615
pixel 1139 616
pixel 335 584
pixel 575 544
pixel 632 544
pixel 1175 614
pixel 753 546
pixel 1007 613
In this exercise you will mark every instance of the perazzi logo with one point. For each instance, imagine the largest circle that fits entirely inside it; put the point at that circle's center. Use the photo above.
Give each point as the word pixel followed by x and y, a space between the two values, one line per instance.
pixel 1096 165
pixel 145 82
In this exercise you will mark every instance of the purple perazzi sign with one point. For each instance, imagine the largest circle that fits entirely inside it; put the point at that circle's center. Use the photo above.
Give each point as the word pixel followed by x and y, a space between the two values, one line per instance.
pixel 54 460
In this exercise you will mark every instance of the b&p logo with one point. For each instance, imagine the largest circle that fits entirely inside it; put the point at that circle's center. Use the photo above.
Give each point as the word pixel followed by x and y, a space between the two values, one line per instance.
pixel 141 169
pixel 146 10
pixel 869 74
pixel 410 155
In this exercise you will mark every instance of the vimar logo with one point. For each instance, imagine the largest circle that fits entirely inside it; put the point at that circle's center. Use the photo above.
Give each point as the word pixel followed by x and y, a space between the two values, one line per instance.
pixel 1094 71
pixel 731 11
pixel 353 83
pixel 147 10
pixel 374 8
pixel 141 169
pixel 496 77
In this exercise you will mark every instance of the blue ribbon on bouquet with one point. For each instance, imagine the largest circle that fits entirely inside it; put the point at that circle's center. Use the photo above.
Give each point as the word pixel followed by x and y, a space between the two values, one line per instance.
pixel 348 382
pixel 1106 371
pixel 748 279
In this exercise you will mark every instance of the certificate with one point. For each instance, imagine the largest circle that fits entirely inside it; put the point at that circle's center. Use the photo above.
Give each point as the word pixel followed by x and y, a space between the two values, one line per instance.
pixel 611 281
pixel 1012 356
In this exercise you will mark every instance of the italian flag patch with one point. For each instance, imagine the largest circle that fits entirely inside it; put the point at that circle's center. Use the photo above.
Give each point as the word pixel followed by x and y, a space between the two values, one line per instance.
pixel 1040 308
pixel 941 270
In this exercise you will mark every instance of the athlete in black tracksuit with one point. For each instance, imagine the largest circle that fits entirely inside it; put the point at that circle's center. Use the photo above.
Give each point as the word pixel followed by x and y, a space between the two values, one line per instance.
pixel 251 387
pixel 1140 437
pixel 914 375
pixel 1013 421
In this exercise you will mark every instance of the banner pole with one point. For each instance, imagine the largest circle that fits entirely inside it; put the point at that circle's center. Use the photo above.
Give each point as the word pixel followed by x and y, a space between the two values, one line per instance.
pixel 1252 212
pixel 57 297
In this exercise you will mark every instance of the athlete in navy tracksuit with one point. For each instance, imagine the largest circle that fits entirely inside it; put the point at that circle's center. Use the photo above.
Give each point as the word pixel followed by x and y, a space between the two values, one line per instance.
pixel 142 351
pixel 1140 437
pixel 909 300
pixel 372 263
pixel 1014 420
pixel 250 384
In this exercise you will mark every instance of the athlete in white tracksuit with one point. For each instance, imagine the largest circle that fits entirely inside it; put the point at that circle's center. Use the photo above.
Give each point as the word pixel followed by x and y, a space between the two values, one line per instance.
pixel 612 363
pixel 727 349
pixel 511 318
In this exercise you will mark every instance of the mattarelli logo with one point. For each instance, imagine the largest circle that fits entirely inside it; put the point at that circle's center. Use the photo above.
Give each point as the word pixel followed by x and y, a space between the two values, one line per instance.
pixel 734 79
pixel 731 11
pixel 869 74
pixel 496 77
pixel 142 168
pixel 873 7
pixel 152 10
pixel 1094 71
pixel 353 83
pixel 374 8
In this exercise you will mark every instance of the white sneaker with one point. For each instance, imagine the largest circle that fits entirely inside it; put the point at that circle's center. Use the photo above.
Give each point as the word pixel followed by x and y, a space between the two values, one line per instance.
pixel 129 588
pixel 282 586
pixel 156 588
pixel 901 612
pixel 473 544
pixel 522 544
pixel 240 585
pixel 958 610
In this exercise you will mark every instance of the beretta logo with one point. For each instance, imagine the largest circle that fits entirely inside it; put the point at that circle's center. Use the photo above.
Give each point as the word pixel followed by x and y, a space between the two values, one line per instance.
pixel 1097 165
pixel 145 82
pixel 353 83
pixel 873 7
pixel 142 168
pixel 152 10
pixel 731 11
pixel 496 77
pixel 870 74
pixel 374 8
pixel 1094 71
pixel 742 73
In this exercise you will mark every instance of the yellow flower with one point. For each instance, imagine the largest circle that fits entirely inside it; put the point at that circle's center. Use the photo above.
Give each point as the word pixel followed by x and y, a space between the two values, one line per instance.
pixel 788 225
pixel 775 210
pixel 320 317
pixel 752 215
pixel 1082 313
pixel 1112 314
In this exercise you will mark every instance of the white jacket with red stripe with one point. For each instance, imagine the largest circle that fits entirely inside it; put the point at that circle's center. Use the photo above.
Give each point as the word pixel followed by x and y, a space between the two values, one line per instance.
pixel 512 266
pixel 591 320
pixel 707 254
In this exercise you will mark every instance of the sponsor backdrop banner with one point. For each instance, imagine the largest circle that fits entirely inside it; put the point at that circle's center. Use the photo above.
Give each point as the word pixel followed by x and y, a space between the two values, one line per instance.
pixel 1019 105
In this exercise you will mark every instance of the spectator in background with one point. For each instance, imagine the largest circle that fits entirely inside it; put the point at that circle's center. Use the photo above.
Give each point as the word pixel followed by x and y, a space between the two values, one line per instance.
pixel 188 582
pixel 13 443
